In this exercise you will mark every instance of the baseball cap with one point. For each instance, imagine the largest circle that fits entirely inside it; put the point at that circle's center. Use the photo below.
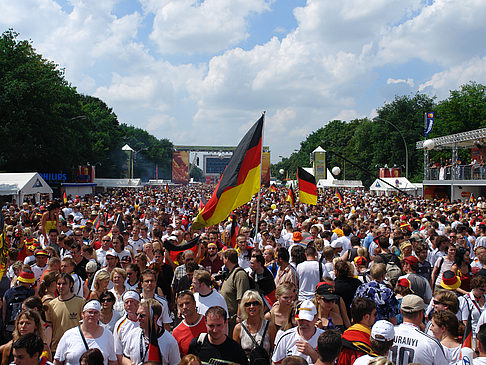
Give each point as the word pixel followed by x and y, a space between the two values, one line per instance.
pixel 306 310
pixel 411 260
pixel 383 331
pixel 111 253
pixel 126 259
pixel 412 303
pixel 327 291
pixel 336 244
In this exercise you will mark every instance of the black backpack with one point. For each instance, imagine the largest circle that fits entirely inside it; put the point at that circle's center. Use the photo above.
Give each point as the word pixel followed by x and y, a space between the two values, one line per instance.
pixel 14 307
pixel 258 355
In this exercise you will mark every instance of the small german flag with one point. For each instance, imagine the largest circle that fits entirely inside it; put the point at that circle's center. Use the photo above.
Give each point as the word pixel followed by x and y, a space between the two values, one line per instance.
pixel 273 188
pixel 235 229
pixel 467 339
pixel 239 182
pixel 166 188
pixel 307 187
pixel 471 198
pixel 291 196
pixel 397 200
pixel 64 198
pixel 339 196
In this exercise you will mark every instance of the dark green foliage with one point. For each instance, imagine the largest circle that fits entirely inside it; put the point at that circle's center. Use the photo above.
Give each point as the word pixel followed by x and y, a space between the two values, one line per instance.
pixel 47 126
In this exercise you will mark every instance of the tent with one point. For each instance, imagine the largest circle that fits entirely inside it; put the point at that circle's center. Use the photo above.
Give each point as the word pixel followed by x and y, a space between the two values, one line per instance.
pixel 106 184
pixel 24 183
pixel 332 182
pixel 402 183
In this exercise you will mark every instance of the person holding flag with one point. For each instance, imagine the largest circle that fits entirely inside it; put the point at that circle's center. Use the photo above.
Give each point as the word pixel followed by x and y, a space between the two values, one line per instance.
pixel 481 345
pixel 150 342
pixel 307 187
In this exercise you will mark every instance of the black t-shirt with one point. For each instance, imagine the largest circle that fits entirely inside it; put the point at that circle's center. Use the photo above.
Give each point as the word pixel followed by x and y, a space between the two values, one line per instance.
pixel 229 350
pixel 80 269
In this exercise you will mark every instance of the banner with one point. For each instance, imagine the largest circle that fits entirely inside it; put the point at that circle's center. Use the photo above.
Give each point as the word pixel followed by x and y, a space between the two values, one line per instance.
pixel 320 170
pixel 429 123
pixel 180 167
pixel 266 168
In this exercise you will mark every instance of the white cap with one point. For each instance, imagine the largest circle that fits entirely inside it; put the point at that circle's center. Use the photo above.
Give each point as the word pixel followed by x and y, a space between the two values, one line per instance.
pixel 92 304
pixel 383 331
pixel 111 252
pixel 306 310
pixel 336 244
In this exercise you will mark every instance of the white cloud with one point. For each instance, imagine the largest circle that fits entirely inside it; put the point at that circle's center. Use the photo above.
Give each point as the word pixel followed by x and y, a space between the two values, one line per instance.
pixel 188 26
pixel 408 81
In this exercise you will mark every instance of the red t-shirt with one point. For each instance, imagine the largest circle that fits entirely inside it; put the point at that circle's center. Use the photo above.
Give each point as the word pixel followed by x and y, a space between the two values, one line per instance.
pixel 184 333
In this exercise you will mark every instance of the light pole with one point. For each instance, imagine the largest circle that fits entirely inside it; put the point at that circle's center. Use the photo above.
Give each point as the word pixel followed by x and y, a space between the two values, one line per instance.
pixel 405 143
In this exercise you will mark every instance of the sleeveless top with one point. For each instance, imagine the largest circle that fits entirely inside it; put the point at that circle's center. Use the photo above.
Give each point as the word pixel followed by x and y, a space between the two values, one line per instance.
pixel 246 342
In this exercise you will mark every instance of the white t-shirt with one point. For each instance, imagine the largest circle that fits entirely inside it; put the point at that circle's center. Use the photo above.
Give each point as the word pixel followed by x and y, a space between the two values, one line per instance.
pixel 287 345
pixel 165 315
pixel 121 333
pixel 38 271
pixel 203 303
pixel 308 274
pixel 412 345
pixel 479 361
pixel 346 243
pixel 71 346
pixel 467 303
pixel 169 349
pixel 363 360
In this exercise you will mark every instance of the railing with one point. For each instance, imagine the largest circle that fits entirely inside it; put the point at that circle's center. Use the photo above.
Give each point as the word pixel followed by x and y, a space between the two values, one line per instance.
pixel 463 172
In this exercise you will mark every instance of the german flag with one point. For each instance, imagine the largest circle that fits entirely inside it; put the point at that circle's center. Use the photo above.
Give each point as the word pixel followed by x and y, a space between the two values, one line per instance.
pixel 97 222
pixel 240 180
pixel 307 187
pixel 291 196
pixel 339 196
pixel 235 229
pixel 467 340
pixel 273 188
pixel 64 198
pixel 166 188
pixel 153 353
pixel 471 198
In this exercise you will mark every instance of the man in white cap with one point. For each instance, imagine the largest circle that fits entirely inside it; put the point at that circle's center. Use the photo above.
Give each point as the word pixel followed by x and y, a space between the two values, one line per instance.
pixel 301 340
pixel 131 301
pixel 411 344
pixel 381 340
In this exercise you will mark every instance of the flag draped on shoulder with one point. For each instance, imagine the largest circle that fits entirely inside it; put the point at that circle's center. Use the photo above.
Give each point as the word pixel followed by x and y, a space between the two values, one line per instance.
pixel 239 182
pixel 467 340
pixel 3 247
pixel 307 187
pixel 291 196
pixel 153 353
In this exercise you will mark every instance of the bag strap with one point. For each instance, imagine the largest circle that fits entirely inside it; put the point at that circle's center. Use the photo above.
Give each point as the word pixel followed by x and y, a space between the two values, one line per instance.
pixel 264 333
pixel 249 334
pixel 84 340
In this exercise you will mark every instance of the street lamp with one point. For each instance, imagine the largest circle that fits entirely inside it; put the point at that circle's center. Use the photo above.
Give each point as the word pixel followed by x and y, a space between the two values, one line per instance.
pixel 405 143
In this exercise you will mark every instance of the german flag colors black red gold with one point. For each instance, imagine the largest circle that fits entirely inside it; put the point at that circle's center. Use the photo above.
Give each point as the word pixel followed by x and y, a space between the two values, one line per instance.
pixel 291 196
pixel 307 187
pixel 240 180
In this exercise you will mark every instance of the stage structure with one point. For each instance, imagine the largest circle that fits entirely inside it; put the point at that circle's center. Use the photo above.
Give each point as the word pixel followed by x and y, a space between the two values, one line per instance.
pixel 455 179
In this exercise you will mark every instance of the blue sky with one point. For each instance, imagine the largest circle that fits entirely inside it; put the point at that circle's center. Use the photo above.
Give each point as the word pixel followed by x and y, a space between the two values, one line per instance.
pixel 201 71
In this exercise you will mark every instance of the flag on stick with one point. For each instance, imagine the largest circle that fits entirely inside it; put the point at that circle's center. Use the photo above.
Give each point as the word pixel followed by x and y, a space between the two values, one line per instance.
pixel 307 187
pixel 235 229
pixel 339 196
pixel 291 196
pixel 239 182
pixel 64 198
pixel 471 198
pixel 273 188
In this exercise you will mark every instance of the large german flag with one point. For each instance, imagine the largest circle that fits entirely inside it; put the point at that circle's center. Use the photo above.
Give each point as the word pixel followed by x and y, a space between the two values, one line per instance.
pixel 240 180
pixel 307 187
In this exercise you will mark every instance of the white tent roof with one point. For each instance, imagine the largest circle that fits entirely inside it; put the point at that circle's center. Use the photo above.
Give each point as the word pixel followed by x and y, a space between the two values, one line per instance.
pixel 331 182
pixel 25 183
pixel 400 182
pixel 118 183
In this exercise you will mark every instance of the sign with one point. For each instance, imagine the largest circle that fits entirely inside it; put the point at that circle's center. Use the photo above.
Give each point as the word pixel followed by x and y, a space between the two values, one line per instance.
pixel 53 176
pixel 180 167
pixel 320 170
pixel 429 123
pixel 465 194
pixel 37 184
pixel 265 168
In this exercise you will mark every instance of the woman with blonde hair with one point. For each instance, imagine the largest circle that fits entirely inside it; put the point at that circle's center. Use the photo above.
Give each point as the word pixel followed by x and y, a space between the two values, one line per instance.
pixel 28 321
pixel 254 328
pixel 100 284
pixel 285 295
pixel 190 360
pixel 118 277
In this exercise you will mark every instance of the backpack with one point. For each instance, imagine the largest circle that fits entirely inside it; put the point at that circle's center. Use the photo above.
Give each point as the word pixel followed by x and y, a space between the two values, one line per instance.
pixel 393 271
pixel 14 307
pixel 258 355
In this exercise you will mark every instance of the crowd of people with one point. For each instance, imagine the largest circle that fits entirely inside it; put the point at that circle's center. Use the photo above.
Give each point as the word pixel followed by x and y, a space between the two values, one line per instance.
pixel 121 278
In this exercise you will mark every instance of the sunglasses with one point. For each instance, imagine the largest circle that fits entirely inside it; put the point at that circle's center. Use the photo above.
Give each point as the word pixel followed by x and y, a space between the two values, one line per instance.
pixel 254 304
pixel 436 302
pixel 106 300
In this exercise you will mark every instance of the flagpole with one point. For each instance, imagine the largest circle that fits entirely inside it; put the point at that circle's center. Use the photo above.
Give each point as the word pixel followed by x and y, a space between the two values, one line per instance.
pixel 259 191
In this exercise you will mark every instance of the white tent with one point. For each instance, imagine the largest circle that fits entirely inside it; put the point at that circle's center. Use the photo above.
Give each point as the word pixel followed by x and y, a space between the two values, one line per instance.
pixel 402 183
pixel 332 182
pixel 118 183
pixel 24 183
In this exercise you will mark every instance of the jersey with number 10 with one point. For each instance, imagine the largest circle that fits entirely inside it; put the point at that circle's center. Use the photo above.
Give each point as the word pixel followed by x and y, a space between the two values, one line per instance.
pixel 412 345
